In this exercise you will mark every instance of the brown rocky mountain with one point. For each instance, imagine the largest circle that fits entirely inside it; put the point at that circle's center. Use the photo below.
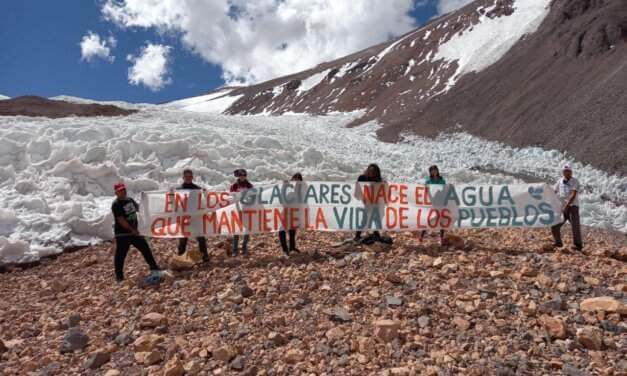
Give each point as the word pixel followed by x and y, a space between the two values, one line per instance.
pixel 523 72
pixel 38 106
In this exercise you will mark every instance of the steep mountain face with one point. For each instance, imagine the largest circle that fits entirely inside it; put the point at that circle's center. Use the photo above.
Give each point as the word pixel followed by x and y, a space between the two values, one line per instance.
pixel 524 72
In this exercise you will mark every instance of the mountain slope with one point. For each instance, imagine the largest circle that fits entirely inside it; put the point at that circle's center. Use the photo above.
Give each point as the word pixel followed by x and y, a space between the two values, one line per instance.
pixel 524 72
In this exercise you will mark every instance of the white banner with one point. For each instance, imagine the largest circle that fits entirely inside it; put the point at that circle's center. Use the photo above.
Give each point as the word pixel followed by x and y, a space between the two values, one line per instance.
pixel 341 206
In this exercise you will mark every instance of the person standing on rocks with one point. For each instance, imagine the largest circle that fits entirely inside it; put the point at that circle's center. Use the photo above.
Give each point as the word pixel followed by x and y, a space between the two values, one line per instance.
pixel 240 185
pixel 373 175
pixel 434 179
pixel 188 183
pixel 567 189
pixel 125 229
pixel 292 232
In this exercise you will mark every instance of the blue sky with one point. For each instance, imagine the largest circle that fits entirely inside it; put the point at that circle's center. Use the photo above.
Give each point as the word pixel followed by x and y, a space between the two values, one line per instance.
pixel 40 54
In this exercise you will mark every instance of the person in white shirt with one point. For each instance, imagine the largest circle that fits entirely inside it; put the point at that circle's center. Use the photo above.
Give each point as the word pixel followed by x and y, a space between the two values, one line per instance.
pixel 567 189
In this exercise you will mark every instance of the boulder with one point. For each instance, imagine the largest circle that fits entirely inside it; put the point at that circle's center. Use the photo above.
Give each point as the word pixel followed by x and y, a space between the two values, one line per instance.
pixel 153 320
pixel 590 337
pixel 602 303
pixel 74 340
pixel 386 330
pixel 174 368
pixel 555 326
pixel 97 359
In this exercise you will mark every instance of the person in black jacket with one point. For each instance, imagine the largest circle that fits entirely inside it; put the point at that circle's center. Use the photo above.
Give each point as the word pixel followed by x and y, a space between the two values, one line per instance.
pixel 292 232
pixel 126 234
pixel 188 183
pixel 372 174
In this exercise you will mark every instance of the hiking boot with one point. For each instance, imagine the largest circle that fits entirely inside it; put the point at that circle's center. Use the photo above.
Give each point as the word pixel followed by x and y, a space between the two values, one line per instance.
pixel 558 244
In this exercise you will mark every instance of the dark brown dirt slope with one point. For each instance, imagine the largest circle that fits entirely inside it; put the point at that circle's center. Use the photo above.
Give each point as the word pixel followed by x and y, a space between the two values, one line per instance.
pixel 562 87
pixel 38 106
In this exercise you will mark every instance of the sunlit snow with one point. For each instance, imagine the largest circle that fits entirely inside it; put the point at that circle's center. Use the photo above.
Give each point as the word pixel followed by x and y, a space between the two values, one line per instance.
pixel 486 42
pixel 56 175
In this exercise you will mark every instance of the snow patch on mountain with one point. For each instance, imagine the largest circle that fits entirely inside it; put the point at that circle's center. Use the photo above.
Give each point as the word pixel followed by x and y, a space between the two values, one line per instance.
pixel 213 103
pixel 312 81
pixel 121 104
pixel 2 97
pixel 485 43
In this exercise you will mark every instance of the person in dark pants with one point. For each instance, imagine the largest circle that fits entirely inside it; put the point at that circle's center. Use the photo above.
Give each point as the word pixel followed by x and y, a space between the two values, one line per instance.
pixel 372 174
pixel 240 185
pixel 292 232
pixel 434 178
pixel 126 235
pixel 567 189
pixel 188 183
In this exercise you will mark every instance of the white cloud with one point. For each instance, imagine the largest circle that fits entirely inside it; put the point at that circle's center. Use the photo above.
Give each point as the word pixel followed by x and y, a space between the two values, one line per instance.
pixel 150 67
pixel 445 6
pixel 255 40
pixel 93 47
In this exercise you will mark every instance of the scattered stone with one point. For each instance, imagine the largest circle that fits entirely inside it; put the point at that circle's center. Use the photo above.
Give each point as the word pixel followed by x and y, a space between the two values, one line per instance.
pixel 394 278
pixel 294 356
pixel 223 354
pixel 112 372
pixel 97 359
pixel 602 303
pixel 123 339
pixel 461 323
pixel 153 357
pixel 393 301
pixel 423 321
pixel 555 326
pixel 338 314
pixel 246 292
pixel 277 339
pixel 3 347
pixel 386 330
pixel 366 346
pixel 74 339
pixel 181 262
pixel 153 320
pixel 147 342
pixel 334 333
pixel 174 368
pixel 192 368
pixel 237 363
pixel 590 337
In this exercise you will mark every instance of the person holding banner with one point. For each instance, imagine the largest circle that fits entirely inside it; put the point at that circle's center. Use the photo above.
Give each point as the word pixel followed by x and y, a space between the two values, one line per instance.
pixel 372 174
pixel 434 179
pixel 567 189
pixel 126 234
pixel 188 183
pixel 292 232
pixel 241 184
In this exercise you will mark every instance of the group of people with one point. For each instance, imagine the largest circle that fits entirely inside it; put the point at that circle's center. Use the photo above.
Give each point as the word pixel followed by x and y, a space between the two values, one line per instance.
pixel 126 232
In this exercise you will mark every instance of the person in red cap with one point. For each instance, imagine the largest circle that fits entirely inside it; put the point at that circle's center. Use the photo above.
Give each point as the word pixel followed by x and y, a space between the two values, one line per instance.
pixel 125 229
pixel 567 189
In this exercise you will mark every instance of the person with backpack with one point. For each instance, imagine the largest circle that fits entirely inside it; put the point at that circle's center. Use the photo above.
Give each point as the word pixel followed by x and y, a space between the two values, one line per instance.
pixel 240 185
pixel 434 179
pixel 188 183
pixel 125 226
pixel 373 175
pixel 292 232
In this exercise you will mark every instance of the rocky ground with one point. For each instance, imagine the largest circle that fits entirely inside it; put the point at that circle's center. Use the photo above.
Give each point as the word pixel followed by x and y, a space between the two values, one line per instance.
pixel 501 303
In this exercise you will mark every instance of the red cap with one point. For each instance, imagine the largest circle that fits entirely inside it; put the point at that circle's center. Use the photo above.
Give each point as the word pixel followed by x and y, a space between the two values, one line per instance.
pixel 119 187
